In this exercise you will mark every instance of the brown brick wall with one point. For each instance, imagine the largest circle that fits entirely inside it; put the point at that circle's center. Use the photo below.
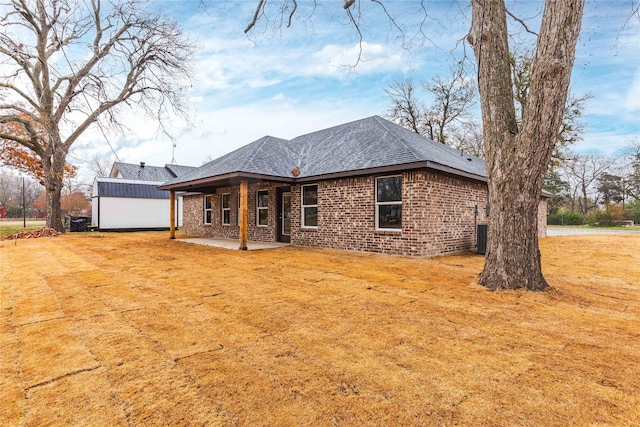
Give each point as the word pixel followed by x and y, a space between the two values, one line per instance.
pixel 438 215
pixel 542 217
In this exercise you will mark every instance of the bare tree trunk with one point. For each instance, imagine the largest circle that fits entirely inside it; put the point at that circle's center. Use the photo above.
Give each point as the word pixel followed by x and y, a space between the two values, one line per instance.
pixel 53 167
pixel 517 159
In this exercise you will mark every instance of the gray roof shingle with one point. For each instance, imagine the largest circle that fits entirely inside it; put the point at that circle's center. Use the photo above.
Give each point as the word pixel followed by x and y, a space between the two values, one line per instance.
pixel 364 144
pixel 150 173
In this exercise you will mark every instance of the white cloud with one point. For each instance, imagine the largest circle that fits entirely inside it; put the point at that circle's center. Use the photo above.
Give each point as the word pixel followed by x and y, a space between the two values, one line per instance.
pixel 341 61
pixel 632 104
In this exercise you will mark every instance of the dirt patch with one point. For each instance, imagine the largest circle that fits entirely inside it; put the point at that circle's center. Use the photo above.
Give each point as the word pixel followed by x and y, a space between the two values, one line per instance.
pixel 33 234
pixel 135 329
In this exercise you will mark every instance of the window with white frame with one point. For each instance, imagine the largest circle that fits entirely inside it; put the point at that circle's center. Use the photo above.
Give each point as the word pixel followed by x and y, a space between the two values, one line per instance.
pixel 226 209
pixel 310 205
pixel 389 203
pixel 262 208
pixel 207 209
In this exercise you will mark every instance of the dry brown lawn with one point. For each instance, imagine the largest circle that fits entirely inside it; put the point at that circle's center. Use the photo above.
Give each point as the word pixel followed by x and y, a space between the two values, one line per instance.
pixel 135 329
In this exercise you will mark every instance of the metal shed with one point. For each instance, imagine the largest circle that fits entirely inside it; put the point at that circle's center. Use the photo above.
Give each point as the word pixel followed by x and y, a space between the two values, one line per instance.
pixel 125 204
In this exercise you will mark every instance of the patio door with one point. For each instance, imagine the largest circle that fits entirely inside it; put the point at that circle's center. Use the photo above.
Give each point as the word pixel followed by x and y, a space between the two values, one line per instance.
pixel 284 215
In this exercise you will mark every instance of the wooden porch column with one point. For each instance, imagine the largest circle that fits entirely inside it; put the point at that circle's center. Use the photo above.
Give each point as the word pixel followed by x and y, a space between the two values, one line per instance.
pixel 242 221
pixel 172 215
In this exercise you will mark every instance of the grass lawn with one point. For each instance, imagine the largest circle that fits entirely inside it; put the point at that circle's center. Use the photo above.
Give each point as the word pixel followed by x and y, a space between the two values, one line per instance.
pixel 132 329
pixel 12 226
pixel 590 227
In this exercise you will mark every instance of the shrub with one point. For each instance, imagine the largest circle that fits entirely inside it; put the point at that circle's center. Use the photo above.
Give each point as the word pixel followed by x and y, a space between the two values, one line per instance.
pixel 554 219
pixel 633 211
pixel 607 216
pixel 566 218
pixel 14 211
pixel 573 218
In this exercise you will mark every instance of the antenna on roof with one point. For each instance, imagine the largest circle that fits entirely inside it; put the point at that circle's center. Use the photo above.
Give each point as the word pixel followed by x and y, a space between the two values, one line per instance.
pixel 173 154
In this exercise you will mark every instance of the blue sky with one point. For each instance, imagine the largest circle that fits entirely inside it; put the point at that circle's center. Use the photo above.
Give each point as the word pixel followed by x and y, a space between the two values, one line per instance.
pixel 286 82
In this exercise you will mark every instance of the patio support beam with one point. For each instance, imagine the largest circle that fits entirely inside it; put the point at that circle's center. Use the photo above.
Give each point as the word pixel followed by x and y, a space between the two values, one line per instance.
pixel 242 221
pixel 172 214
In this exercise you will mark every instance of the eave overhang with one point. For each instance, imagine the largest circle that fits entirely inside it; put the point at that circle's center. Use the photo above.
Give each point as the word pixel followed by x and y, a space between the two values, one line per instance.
pixel 228 179
pixel 209 184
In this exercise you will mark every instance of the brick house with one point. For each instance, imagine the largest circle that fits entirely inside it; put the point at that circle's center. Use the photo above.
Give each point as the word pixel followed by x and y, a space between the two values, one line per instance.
pixel 368 185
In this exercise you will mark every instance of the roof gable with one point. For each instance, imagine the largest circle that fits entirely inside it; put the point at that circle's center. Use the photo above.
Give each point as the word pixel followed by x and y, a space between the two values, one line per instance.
pixel 145 172
pixel 265 156
pixel 179 170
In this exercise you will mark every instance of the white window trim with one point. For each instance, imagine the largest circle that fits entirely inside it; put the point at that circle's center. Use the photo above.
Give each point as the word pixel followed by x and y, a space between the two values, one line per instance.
pixel 375 195
pixel 222 209
pixel 258 208
pixel 205 210
pixel 302 224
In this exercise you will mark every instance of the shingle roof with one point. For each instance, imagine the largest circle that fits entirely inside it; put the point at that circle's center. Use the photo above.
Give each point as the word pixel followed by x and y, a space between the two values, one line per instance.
pixel 130 188
pixel 364 144
pixel 178 170
pixel 150 173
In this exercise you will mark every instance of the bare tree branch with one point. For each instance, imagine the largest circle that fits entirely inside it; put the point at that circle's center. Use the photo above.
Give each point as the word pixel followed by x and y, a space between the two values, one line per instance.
pixel 293 11
pixel 521 22
pixel 256 15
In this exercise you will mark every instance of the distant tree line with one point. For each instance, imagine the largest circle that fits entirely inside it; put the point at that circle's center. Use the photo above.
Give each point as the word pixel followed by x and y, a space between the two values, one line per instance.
pixel 595 189
pixel 73 201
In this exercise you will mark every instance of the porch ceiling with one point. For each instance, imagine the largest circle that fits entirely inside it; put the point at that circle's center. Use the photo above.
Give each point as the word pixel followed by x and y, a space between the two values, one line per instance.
pixel 210 184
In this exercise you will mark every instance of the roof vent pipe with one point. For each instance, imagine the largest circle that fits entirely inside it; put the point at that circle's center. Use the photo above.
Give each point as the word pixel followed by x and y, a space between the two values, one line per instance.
pixel 142 164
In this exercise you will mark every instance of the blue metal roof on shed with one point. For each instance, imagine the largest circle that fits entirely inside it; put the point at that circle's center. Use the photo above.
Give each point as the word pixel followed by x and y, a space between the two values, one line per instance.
pixel 126 188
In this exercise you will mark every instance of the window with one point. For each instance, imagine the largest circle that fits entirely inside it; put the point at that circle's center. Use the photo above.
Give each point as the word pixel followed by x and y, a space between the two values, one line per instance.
pixel 310 205
pixel 262 211
pixel 226 209
pixel 389 203
pixel 207 209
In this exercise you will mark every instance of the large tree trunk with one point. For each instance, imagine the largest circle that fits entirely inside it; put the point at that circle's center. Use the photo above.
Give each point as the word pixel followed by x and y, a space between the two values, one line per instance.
pixel 53 167
pixel 517 158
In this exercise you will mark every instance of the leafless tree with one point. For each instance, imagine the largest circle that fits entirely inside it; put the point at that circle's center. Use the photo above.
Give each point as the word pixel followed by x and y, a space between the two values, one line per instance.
pixel 467 137
pixel 582 172
pixel 11 189
pixel 406 109
pixel 517 153
pixel 453 96
pixel 74 64
pixel 100 165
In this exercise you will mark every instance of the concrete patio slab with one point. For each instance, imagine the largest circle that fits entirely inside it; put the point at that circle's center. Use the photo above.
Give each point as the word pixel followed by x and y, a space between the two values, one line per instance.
pixel 232 243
